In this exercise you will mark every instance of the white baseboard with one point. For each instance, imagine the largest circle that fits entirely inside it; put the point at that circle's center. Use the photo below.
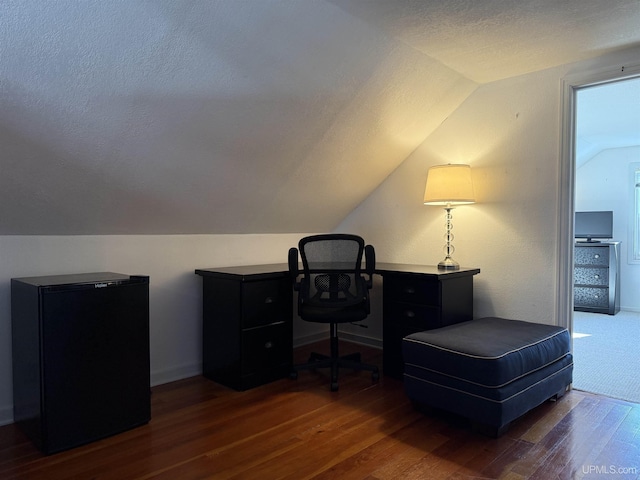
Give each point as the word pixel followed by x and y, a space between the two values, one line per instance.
pixel 630 309
pixel 361 339
pixel 177 373
pixel 350 337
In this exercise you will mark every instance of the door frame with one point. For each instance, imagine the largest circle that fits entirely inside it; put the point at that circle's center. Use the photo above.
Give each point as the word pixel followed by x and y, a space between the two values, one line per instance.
pixel 567 174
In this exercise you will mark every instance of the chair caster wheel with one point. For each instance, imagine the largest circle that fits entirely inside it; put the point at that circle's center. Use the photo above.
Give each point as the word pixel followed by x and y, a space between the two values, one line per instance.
pixel 293 375
pixel 375 376
pixel 334 386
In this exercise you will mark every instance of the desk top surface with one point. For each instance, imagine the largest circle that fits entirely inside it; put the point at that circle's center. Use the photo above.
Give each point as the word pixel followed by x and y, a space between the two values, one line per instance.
pixel 433 270
pixel 281 269
pixel 79 279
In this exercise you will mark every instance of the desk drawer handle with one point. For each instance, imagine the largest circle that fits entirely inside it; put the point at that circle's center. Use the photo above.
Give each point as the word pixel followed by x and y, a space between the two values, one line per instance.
pixel 409 314
pixel 268 300
pixel 411 290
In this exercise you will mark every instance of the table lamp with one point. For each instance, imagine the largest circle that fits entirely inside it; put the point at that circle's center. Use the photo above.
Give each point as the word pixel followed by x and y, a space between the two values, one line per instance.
pixel 449 185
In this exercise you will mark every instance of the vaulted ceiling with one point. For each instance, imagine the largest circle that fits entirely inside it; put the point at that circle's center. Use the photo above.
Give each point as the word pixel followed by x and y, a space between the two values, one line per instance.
pixel 608 116
pixel 252 116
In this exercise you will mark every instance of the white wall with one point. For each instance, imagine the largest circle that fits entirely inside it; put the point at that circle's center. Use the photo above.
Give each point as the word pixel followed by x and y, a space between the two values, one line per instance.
pixel 509 132
pixel 175 293
pixel 605 183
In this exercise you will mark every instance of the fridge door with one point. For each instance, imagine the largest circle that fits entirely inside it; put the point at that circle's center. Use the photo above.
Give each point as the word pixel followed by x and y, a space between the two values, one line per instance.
pixel 95 360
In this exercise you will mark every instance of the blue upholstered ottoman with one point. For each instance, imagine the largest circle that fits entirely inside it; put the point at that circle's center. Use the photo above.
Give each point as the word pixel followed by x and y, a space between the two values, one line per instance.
pixel 490 370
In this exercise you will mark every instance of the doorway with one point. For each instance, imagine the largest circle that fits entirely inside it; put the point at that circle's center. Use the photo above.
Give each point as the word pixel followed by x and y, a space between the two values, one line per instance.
pixel 601 140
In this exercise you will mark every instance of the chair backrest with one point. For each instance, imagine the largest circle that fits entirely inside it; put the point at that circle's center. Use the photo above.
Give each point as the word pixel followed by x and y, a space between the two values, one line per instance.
pixel 332 271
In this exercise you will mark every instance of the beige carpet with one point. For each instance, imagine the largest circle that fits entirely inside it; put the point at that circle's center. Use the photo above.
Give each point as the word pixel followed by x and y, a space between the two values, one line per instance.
pixel 606 350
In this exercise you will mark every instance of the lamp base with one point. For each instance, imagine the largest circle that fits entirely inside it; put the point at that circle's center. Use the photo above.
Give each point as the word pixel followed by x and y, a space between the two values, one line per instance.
pixel 449 264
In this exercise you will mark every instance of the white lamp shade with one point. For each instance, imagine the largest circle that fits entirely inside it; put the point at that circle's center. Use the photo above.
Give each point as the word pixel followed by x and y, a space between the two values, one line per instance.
pixel 449 185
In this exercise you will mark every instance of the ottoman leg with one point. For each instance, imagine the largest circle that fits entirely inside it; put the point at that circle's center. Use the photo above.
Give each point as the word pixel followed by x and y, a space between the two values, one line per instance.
pixel 558 394
pixel 489 430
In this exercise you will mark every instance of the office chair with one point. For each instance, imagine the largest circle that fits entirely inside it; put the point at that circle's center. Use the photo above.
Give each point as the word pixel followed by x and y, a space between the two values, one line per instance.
pixel 333 290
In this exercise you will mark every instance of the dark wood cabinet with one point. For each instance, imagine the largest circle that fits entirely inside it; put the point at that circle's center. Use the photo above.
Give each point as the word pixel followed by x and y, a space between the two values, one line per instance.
pixel 417 298
pixel 246 325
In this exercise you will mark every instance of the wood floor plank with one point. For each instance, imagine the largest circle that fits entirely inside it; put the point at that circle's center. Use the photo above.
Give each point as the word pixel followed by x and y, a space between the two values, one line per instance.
pixel 404 444
pixel 620 457
pixel 548 416
pixel 301 430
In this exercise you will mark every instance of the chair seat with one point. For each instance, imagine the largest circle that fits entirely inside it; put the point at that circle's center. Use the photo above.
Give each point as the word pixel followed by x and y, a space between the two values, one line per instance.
pixel 350 313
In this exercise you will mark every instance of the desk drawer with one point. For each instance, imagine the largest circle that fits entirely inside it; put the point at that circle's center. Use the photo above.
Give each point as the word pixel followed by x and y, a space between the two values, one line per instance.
pixel 402 319
pixel 591 276
pixel 412 316
pixel 265 302
pixel 592 256
pixel 266 348
pixel 411 289
pixel 591 297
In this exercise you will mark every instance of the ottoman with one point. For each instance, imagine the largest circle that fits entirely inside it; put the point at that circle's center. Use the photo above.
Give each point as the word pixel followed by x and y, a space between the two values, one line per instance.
pixel 490 370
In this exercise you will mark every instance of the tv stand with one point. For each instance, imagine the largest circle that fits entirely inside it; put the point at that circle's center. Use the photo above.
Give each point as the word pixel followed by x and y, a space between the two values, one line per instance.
pixel 596 277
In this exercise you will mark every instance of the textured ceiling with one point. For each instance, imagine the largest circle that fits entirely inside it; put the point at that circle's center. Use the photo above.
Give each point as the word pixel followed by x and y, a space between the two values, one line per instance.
pixel 253 116
pixel 489 40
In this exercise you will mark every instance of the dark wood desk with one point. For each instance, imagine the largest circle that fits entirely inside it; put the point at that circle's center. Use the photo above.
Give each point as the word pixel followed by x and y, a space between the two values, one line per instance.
pixel 417 298
pixel 248 315
pixel 247 318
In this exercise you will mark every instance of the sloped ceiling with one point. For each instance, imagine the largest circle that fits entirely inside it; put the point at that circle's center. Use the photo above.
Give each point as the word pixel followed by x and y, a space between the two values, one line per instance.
pixel 608 116
pixel 494 39
pixel 252 116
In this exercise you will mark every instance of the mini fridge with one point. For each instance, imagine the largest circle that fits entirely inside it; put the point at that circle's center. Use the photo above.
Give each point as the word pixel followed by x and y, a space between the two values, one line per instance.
pixel 80 357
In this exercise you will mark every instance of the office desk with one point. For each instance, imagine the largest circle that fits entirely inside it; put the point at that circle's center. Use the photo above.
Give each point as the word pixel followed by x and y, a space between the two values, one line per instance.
pixel 248 315
pixel 417 298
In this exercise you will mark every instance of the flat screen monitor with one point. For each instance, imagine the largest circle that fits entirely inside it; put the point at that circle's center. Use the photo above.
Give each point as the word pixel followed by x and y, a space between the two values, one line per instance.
pixel 594 226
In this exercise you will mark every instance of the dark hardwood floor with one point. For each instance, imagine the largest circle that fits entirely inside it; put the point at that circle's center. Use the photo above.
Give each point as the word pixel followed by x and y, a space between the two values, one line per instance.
pixel 299 429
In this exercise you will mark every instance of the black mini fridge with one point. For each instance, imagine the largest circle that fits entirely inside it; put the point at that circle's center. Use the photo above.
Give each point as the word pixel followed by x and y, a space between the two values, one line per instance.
pixel 80 357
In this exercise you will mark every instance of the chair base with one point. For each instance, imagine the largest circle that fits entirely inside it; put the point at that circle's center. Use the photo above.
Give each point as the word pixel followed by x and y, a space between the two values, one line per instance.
pixel 335 362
